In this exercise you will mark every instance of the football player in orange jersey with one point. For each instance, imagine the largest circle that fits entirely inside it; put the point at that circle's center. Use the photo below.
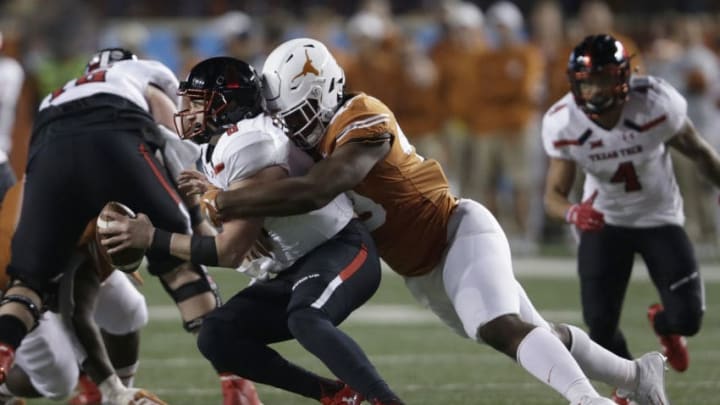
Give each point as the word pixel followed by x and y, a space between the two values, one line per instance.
pixel 453 254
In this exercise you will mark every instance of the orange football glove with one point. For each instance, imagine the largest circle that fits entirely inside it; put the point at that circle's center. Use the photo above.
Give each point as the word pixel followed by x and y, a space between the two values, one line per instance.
pixel 209 208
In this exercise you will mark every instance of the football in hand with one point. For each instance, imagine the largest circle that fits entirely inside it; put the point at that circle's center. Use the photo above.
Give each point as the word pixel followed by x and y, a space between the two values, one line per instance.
pixel 126 260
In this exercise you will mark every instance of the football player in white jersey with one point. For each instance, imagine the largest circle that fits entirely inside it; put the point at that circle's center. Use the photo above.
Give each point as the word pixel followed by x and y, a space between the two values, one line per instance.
pixel 618 128
pixel 12 75
pixel 94 141
pixel 322 265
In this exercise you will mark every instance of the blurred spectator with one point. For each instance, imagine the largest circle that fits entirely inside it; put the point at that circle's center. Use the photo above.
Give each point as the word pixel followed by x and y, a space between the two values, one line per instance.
pixel 25 107
pixel 376 64
pixel 506 97
pixel 596 17
pixel 455 55
pixel 692 70
pixel 12 76
pixel 417 111
pixel 242 37
pixel 549 35
pixel 187 53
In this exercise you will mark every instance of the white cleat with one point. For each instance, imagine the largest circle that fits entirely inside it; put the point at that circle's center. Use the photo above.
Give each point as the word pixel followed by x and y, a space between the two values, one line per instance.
pixel 651 380
pixel 586 400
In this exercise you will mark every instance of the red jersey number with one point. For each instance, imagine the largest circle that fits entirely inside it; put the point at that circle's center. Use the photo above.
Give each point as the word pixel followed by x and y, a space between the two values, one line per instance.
pixel 94 77
pixel 626 173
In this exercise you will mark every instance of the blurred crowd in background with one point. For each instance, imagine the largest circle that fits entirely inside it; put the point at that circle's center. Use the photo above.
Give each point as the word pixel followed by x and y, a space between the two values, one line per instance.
pixel 467 80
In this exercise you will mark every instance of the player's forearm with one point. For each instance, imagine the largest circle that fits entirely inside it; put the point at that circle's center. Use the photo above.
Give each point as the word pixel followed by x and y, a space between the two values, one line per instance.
pixel 708 163
pixel 208 250
pixel 286 197
pixel 556 205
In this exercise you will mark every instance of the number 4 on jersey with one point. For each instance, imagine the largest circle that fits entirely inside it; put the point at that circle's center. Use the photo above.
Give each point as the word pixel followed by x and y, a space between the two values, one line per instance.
pixel 626 173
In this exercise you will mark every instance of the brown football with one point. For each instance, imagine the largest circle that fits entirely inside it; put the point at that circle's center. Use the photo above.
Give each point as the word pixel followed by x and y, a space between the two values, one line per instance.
pixel 127 260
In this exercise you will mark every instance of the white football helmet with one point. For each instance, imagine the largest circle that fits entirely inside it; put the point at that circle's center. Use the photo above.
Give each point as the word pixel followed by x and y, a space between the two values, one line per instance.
pixel 303 85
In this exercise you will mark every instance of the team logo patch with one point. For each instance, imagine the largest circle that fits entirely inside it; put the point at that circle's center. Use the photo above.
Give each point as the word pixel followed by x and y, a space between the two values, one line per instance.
pixel 307 68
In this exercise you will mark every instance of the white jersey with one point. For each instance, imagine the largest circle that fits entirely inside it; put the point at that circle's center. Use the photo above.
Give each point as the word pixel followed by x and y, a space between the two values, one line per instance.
pixel 629 165
pixel 127 78
pixel 12 77
pixel 255 144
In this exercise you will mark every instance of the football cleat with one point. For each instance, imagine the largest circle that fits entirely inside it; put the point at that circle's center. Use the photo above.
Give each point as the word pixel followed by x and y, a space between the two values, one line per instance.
pixel 620 398
pixel 7 357
pixel 346 396
pixel 238 391
pixel 86 392
pixel 674 346
pixel 651 380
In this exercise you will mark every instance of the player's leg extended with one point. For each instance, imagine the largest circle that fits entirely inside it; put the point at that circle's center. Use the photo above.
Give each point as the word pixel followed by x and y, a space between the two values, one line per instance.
pixel 328 284
pixel 120 313
pixel 605 260
pixel 49 224
pixel 478 279
pixel 45 366
pixel 674 270
pixel 235 338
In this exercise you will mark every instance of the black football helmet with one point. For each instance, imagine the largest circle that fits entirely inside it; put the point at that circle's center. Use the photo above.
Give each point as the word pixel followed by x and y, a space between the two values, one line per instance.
pixel 107 56
pixel 603 60
pixel 218 92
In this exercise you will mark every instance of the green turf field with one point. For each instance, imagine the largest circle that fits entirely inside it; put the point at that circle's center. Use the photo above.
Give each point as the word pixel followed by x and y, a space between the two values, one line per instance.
pixel 423 360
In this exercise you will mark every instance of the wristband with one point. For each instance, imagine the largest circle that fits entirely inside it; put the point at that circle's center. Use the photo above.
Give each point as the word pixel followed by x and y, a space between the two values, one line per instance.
pixel 196 216
pixel 203 250
pixel 161 241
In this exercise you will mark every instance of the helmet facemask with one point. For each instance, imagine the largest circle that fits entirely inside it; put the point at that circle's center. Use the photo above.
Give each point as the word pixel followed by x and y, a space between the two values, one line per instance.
pixel 599 74
pixel 304 123
pixel 201 114
pixel 219 92
pixel 599 90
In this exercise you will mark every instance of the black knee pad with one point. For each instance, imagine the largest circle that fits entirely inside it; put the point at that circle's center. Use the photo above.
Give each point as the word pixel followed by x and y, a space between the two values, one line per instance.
pixel 28 303
pixel 192 289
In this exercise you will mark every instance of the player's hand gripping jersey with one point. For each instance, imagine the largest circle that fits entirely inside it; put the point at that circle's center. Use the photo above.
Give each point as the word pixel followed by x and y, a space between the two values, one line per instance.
pixel 629 165
pixel 404 200
pixel 255 144
pixel 126 78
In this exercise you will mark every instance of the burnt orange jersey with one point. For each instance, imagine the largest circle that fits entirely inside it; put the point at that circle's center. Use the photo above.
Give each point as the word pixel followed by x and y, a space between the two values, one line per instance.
pixel 404 200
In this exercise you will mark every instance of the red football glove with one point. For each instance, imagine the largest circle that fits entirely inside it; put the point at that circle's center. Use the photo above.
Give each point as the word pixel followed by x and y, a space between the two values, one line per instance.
pixel 584 216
